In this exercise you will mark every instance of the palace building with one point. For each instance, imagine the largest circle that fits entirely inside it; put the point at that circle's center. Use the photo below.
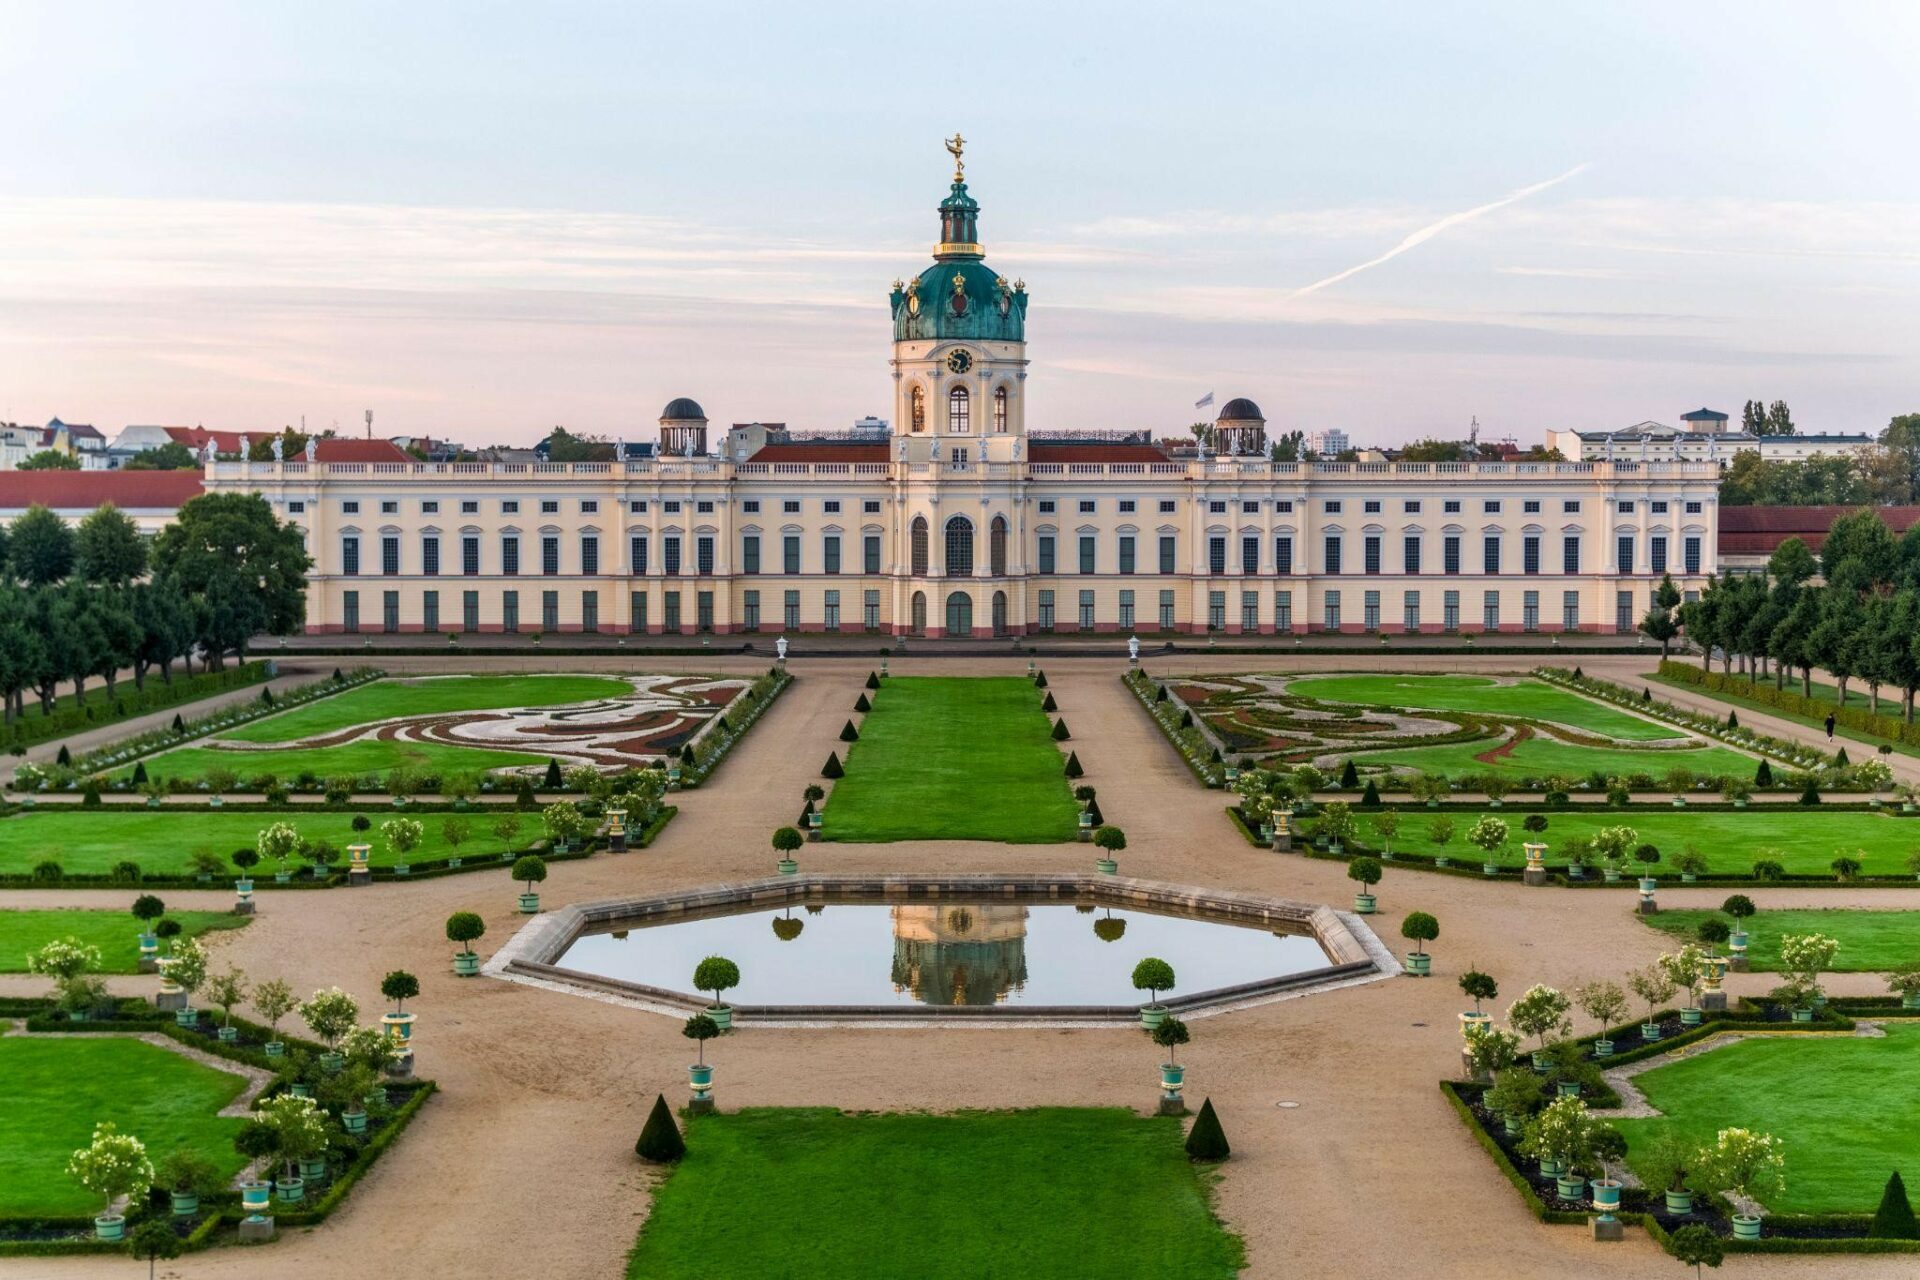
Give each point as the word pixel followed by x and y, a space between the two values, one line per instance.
pixel 966 518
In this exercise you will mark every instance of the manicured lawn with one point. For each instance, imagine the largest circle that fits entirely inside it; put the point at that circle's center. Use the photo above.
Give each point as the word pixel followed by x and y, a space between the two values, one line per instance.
pixel 1540 756
pixel 353 759
pixel 1855 698
pixel 58 1087
pixel 953 758
pixel 84 842
pixel 114 932
pixel 435 695
pixel 1845 1109
pixel 1870 941
pixel 1056 1192
pixel 1527 698
pixel 1804 841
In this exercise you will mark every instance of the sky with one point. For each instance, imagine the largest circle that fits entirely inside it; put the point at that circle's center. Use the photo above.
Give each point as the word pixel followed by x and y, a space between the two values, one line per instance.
pixel 480 220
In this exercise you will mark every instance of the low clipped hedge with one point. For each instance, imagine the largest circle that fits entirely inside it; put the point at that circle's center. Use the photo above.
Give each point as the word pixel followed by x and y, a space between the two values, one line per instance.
pixel 127 701
pixel 1793 702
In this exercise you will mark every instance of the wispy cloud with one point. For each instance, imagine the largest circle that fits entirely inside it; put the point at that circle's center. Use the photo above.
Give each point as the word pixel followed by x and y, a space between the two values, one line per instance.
pixel 1433 229
pixel 1562 273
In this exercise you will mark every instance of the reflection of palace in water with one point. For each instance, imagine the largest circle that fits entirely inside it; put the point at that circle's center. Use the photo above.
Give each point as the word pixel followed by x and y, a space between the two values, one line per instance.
pixel 960 953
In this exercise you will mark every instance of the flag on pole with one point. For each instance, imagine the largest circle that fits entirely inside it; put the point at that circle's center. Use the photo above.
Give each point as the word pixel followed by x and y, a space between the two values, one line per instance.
pixel 1203 401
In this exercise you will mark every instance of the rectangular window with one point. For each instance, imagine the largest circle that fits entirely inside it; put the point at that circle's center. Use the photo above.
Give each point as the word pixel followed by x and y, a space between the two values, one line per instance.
pixel 832 607
pixel 1370 608
pixel 1530 554
pixel 296 508
pixel 589 610
pixel 589 554
pixel 750 611
pixel 638 507
pixel 1490 507
pixel 1250 508
pixel 1490 554
pixel 1370 552
pixel 549 610
pixel 1167 506
pixel 389 611
pixel 510 507
pixel 1410 554
pixel 1450 611
pixel 430 611
pixel 589 507
pixel 1570 506
pixel 1283 508
pixel 1216 554
pixel 1126 553
pixel 1086 610
pixel 750 507
pixel 1410 612
pixel 1531 508
pixel 510 611
pixel 1490 611
pixel 1530 611
pixel 1570 553
pixel 549 555
pixel 1331 507
pixel 350 556
pixel 1283 611
pixel 671 508
pixel 1046 553
pixel 1624 508
pixel 1086 506
pixel 1128 506
pixel 670 554
pixel 1216 611
pixel 1216 508
pixel 469 507
pixel 871 506
pixel 1623 553
pixel 1046 610
pixel 1570 611
pixel 790 553
pixel 1166 553
pixel 870 552
pixel 1283 554
pixel 1330 618
pixel 790 506
pixel 549 508
pixel 1331 562
pixel 1623 612
pixel 389 556
pixel 1450 555
pixel 389 508
pixel 637 613
pixel 703 555
pixel 1451 506
pixel 349 508
pixel 637 549
pixel 1087 552
pixel 470 556
pixel 1047 506
pixel 1658 508
pixel 790 609
pixel 469 610
pixel 870 610
pixel 430 556
pixel 830 553
pixel 1166 610
pixel 350 610
pixel 670 611
pixel 831 506
pixel 703 611
pixel 1657 553
pixel 1693 508
pixel 1126 610
pixel 1250 554
pixel 1370 507
pixel 1249 611
pixel 704 508
pixel 1690 553
pixel 750 553
pixel 1411 506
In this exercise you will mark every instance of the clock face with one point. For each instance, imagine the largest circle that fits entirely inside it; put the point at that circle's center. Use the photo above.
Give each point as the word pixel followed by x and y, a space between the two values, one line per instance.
pixel 959 362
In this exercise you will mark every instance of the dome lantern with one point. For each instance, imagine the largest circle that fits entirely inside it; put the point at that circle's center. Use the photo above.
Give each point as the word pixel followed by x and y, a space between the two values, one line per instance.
pixel 683 429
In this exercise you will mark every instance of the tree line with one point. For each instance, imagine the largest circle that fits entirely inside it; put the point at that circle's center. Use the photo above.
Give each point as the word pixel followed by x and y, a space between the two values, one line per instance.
pixel 1887 473
pixel 1859 622
pixel 86 602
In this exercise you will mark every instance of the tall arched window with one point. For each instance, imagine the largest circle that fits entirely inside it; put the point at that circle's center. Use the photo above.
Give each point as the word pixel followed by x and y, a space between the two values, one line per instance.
pixel 919 403
pixel 997 546
pixel 957 411
pixel 1000 409
pixel 918 622
pixel 919 532
pixel 959 547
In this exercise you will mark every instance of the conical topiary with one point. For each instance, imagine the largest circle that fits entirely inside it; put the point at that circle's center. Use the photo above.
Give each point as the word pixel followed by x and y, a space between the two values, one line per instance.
pixel 1893 1220
pixel 65 757
pixel 1812 794
pixel 1060 733
pixel 848 733
pixel 1349 776
pixel 873 681
pixel 1040 680
pixel 1186 719
pixel 1733 719
pixel 523 796
pixel 1207 1140
pixel 832 767
pixel 179 725
pixel 1073 765
pixel 140 774
pixel 862 705
pixel 1840 758
pixel 1370 798
pixel 1049 704
pixel 552 781
pixel 1763 776
pixel 686 753
pixel 1160 694
pixel 1093 811
pixel 660 1139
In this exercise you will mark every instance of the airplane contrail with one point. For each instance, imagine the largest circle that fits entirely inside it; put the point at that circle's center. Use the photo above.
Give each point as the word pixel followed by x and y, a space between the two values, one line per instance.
pixel 1428 232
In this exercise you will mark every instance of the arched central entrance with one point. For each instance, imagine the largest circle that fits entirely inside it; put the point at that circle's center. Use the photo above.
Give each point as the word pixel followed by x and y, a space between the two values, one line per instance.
pixel 960 614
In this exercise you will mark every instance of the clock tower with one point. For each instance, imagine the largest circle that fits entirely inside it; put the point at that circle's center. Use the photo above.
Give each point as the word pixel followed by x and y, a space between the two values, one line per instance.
pixel 959 342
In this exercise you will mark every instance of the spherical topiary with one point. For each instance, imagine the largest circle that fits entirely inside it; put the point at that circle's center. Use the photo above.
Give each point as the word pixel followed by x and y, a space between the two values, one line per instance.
pixel 530 870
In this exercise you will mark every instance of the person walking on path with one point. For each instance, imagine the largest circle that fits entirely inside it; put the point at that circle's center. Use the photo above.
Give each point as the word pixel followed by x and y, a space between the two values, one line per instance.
pixel 1829 726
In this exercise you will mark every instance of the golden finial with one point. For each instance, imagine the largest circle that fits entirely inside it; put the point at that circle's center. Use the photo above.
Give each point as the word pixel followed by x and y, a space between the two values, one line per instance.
pixel 955 145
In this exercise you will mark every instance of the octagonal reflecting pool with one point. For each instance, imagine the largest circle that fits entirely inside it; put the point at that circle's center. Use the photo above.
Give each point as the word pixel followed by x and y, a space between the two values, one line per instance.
pixel 946 953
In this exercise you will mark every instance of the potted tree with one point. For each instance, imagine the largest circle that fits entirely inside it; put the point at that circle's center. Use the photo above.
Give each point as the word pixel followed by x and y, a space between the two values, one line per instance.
pixel 1611 845
pixel 330 1013
pixel 1905 983
pixel 1647 855
pixel 1541 1012
pixel 1153 975
pixel 187 1175
pixel 455 831
pixel 564 824
pixel 299 1130
pixel 465 927
pixel 1494 787
pixel 279 842
pixel 1440 834
pixel 1746 1164
pixel 1169 1035
pixel 1606 1004
pixel 1804 957
pixel 1366 873
pixel 227 989
pixel 1686 968
pixel 1565 1138
pixel 71 964
pixel 1387 824
pixel 113 1165
pixel 506 829
pixel 1489 1051
pixel 1679 781
pixel 718 975
pixel 274 1000
pixel 1490 833
pixel 1419 927
pixel 787 842
pixel 530 870
pixel 399 986
pixel 245 860
pixel 1110 841
pixel 1655 988
pixel 1337 825
pixel 403 837
pixel 146 909
pixel 1741 908
pixel 1670 1161
pixel 1477 986
pixel 1516 1094
pixel 700 1028
pixel 185 969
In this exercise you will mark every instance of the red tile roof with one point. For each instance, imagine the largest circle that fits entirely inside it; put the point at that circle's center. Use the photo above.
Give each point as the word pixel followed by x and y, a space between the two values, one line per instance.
pixel 85 490
pixel 850 452
pixel 1750 531
pixel 360 451
pixel 196 438
pixel 1098 451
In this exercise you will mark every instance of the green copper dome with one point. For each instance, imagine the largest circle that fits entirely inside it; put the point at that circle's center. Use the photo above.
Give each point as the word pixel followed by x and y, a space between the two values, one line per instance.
pixel 959 296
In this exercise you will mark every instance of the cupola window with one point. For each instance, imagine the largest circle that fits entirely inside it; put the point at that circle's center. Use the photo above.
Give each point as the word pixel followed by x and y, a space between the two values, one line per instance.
pixel 919 409
pixel 1000 409
pixel 957 411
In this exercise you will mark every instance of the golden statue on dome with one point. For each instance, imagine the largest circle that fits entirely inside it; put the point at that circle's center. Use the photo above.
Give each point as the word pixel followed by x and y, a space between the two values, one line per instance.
pixel 955 145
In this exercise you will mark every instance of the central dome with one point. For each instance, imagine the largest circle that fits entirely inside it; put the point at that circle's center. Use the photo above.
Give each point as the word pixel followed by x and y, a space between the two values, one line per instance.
pixel 959 296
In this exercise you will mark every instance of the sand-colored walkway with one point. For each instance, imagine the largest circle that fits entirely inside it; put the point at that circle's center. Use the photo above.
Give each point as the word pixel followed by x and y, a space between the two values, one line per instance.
pixel 524 1165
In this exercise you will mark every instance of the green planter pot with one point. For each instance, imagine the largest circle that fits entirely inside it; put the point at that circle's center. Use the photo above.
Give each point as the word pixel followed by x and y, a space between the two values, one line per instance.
pixel 1803 1015
pixel 300 1089
pixel 700 1080
pixel 529 904
pixel 1648 884
pixel 1542 1061
pixel 789 867
pixel 109 1226
pixel 1911 1001
pixel 403 869
pixel 1442 860
pixel 1567 1088
pixel 1336 848
pixel 1419 965
pixel 290 1190
pixel 1679 1202
pixel 229 1035
pixel 1610 875
pixel 1152 1015
pixel 186 1017
pixel 453 864
pixel 276 1049
pixel 1690 1017
pixel 1603 1048
pixel 1549 1168
pixel 466 964
pixel 149 946
pixel 354 1122
pixel 313 1172
pixel 282 877
pixel 255 1197
pixel 1363 904
pixel 332 1062
pixel 1649 1031
pixel 185 1204
pixel 1570 1186
pixel 1172 1076
pixel 1739 804
pixel 1679 803
pixel 722 1015
pixel 1511 1124
pixel 1489 869
pixel 1606 1196
pixel 1737 941
pixel 1746 1226
pixel 1107 866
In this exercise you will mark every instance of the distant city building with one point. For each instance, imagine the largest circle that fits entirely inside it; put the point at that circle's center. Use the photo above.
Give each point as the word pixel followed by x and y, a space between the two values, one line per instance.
pixel 1330 442
pixel 1702 437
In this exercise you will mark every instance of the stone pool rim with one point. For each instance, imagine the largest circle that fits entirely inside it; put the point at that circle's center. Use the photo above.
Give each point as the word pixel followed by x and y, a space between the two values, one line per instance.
pixel 1354 953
